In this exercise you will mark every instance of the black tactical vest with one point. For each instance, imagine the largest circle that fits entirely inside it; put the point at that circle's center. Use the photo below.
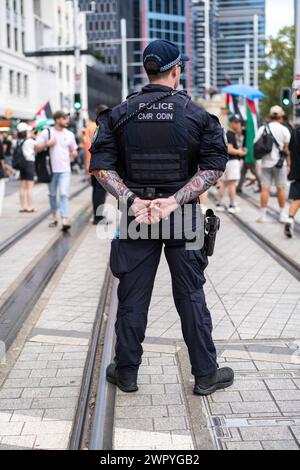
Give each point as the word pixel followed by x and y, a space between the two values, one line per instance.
pixel 156 152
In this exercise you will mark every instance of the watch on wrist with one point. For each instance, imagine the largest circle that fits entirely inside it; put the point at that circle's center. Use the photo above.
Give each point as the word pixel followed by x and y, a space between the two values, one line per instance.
pixel 131 199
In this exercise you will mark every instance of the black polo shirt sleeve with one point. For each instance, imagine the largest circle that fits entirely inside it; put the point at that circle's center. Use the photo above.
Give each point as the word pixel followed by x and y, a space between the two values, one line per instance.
pixel 104 151
pixel 213 147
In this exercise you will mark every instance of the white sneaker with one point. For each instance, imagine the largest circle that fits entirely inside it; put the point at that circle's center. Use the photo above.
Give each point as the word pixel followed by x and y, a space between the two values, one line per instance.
pixel 232 209
pixel 262 219
pixel 220 207
pixel 284 219
pixel 289 228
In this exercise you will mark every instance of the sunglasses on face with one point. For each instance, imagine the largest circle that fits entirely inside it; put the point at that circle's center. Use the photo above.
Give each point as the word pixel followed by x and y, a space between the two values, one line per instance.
pixel 182 66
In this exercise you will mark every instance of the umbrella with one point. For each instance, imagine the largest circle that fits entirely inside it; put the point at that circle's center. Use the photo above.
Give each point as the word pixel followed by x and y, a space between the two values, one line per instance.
pixel 246 91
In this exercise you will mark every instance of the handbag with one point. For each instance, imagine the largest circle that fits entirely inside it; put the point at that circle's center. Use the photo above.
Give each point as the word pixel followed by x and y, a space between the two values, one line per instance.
pixel 282 153
pixel 264 144
pixel 43 164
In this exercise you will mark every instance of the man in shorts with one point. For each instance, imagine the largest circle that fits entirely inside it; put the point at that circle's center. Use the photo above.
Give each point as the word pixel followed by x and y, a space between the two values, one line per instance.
pixel 269 171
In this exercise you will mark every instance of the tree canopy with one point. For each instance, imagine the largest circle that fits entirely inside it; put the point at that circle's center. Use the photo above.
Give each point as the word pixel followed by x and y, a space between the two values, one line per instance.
pixel 278 69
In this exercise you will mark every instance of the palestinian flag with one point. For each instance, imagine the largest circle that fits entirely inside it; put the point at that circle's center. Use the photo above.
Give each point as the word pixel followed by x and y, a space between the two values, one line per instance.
pixel 251 130
pixel 45 112
pixel 232 103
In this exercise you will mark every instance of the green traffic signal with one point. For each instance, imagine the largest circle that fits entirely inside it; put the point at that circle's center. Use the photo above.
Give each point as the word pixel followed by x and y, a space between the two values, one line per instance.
pixel 77 106
pixel 286 96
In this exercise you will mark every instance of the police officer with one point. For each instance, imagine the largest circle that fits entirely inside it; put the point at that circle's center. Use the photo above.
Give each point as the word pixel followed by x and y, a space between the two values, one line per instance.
pixel 160 151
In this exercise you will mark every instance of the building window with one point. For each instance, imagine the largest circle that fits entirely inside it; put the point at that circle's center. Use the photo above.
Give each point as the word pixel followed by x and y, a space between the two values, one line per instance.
pixel 68 73
pixel 60 70
pixel 11 82
pixel 16 40
pixel 8 36
pixel 19 84
pixel 108 8
pixel 108 25
pixel 15 6
pixel 25 85
pixel 61 99
pixel 102 8
pixel 167 6
pixel 91 26
pixel 22 7
pixel 23 41
pixel 114 7
pixel 8 4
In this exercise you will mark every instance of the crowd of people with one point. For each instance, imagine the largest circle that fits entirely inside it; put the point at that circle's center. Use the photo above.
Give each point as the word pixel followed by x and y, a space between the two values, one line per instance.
pixel 22 152
pixel 70 152
pixel 267 171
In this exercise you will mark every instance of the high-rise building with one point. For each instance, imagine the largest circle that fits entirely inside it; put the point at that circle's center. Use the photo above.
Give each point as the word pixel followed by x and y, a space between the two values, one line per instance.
pixel 103 31
pixel 25 83
pixel 221 31
pixel 235 31
pixel 204 46
pixel 164 19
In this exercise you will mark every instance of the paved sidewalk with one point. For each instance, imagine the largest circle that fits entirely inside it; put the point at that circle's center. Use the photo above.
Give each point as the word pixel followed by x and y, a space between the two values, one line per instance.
pixel 38 399
pixel 11 220
pixel 255 306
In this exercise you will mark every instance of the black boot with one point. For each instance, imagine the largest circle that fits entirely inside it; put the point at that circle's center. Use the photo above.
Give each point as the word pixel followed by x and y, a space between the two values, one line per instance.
pixel 125 381
pixel 208 384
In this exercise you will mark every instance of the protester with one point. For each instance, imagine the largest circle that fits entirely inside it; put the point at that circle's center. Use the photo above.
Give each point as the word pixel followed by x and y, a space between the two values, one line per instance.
pixel 294 177
pixel 62 145
pixel 269 171
pixel 26 145
pixel 232 173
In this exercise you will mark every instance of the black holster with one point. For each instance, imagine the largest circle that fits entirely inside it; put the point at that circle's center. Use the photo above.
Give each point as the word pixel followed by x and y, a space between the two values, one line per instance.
pixel 211 227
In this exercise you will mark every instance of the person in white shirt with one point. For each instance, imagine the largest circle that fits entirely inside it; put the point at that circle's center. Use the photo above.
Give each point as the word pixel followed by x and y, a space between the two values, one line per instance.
pixel 62 145
pixel 269 171
pixel 27 173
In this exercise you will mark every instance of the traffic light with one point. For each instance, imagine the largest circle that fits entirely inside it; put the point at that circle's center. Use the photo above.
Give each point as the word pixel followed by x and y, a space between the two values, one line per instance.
pixel 77 102
pixel 286 97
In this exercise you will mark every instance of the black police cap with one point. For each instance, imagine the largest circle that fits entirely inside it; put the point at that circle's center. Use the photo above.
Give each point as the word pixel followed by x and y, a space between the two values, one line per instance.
pixel 163 53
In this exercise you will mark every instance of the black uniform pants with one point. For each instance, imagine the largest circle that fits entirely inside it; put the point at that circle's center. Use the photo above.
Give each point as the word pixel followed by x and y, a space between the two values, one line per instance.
pixel 99 195
pixel 135 263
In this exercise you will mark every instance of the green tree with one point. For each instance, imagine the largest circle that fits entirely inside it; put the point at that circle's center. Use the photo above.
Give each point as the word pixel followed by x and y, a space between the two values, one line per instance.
pixel 278 69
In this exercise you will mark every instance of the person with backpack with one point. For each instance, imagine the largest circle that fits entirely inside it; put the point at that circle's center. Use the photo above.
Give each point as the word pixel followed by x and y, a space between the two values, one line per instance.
pixel 273 164
pixel 61 144
pixel 294 177
pixel 24 161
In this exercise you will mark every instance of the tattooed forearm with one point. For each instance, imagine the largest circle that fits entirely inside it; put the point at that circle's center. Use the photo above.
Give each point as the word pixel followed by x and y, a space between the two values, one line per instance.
pixel 113 183
pixel 200 183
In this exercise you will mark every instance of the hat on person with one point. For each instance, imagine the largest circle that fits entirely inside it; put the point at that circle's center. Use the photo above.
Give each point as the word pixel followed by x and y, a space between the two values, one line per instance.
pixel 59 115
pixel 235 118
pixel 276 111
pixel 164 53
pixel 23 127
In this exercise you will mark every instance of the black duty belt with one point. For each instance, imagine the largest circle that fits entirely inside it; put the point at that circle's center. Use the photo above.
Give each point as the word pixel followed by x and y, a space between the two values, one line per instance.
pixel 150 193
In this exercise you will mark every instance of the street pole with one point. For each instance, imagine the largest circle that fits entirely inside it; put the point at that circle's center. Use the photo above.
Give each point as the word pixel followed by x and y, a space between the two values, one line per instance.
pixel 255 50
pixel 207 49
pixel 124 59
pixel 247 64
pixel 296 83
pixel 77 54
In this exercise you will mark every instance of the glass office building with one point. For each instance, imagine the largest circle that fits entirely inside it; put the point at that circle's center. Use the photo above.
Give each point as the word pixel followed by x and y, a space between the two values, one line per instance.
pixel 235 30
pixel 163 19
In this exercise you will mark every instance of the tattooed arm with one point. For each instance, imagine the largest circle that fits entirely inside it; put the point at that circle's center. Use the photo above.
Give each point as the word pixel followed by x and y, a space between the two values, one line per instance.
pixel 197 185
pixel 113 183
pixel 200 183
